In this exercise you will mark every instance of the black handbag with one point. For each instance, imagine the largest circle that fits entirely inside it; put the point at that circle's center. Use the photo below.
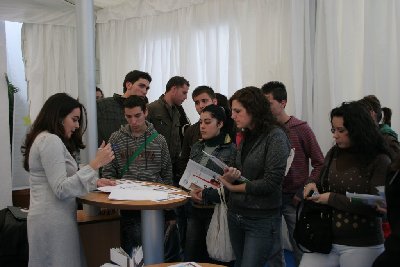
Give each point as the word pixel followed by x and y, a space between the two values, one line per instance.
pixel 313 230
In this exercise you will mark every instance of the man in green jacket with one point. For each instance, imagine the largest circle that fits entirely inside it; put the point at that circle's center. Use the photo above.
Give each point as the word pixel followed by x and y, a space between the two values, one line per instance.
pixel 164 115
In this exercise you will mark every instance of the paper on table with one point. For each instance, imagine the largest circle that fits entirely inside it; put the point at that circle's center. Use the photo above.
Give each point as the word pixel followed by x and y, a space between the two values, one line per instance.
pixel 185 264
pixel 131 194
pixel 222 165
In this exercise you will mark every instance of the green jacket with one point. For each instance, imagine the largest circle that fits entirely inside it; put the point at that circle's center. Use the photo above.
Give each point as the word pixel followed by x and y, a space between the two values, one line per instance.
pixel 166 121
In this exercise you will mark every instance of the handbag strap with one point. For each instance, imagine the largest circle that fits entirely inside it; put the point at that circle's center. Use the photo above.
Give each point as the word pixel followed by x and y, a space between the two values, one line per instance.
pixel 324 177
pixel 137 152
pixel 323 181
pixel 221 193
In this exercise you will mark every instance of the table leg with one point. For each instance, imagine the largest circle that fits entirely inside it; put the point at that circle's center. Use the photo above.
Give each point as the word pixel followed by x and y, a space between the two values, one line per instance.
pixel 153 236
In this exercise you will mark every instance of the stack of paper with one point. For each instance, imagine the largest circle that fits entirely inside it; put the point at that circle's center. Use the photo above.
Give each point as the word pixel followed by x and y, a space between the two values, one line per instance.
pixel 137 190
pixel 132 194
pixel 185 264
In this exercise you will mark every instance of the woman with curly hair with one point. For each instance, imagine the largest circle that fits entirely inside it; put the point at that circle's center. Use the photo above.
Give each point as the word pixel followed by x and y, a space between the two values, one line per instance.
pixel 360 160
pixel 254 205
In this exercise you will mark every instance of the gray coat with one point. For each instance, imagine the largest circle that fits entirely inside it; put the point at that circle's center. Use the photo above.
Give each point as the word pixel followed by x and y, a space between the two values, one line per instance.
pixel 265 167
pixel 55 182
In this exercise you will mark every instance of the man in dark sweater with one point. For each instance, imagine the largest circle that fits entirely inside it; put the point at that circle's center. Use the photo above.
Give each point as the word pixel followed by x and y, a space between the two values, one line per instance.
pixel 306 148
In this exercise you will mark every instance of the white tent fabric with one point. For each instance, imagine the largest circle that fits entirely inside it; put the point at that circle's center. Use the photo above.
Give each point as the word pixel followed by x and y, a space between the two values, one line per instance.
pixel 226 44
pixel 138 8
pixel 356 54
pixel 5 152
pixel 54 12
pixel 50 58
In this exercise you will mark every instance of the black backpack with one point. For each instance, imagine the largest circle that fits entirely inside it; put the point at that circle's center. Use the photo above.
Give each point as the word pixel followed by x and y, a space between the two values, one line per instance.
pixel 14 250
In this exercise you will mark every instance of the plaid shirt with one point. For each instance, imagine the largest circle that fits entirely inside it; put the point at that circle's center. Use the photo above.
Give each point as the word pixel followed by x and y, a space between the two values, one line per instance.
pixel 110 116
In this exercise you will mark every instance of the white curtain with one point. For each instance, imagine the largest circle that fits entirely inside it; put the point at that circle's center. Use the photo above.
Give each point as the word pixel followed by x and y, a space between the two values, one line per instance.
pixel 227 44
pixel 357 52
pixel 50 58
pixel 5 152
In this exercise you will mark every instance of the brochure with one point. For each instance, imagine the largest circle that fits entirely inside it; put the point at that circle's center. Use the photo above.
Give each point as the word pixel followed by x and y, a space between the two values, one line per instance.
pixel 222 165
pixel 367 199
pixel 198 176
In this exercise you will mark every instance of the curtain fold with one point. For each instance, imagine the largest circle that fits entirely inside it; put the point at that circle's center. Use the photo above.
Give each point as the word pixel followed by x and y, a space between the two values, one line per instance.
pixel 50 59
pixel 229 44
pixel 226 44
pixel 356 54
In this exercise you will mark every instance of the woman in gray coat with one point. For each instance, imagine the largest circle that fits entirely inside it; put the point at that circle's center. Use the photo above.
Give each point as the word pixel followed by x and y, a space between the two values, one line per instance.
pixel 254 216
pixel 55 181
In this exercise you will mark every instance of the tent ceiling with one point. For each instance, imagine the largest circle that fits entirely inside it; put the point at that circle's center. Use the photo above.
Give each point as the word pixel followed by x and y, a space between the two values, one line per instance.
pixel 62 12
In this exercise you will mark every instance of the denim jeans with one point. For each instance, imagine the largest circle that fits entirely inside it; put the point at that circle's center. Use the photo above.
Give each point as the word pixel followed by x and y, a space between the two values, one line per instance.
pixel 343 256
pixel 197 227
pixel 289 215
pixel 253 238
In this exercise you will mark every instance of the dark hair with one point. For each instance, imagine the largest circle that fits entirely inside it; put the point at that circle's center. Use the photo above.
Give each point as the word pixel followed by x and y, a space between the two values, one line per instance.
pixel 50 119
pixel 222 101
pixel 387 116
pixel 252 99
pixel 277 89
pixel 372 103
pixel 216 112
pixel 363 132
pixel 203 89
pixel 176 81
pixel 135 75
pixel 229 125
pixel 135 101
pixel 99 90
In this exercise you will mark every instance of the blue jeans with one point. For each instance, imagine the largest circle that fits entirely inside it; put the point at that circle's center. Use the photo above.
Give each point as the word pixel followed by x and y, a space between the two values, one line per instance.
pixel 289 215
pixel 253 238
pixel 197 227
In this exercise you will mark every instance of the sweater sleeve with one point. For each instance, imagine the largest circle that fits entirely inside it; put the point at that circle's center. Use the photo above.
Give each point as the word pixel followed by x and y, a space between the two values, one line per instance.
pixel 313 152
pixel 112 169
pixel 52 154
pixel 378 174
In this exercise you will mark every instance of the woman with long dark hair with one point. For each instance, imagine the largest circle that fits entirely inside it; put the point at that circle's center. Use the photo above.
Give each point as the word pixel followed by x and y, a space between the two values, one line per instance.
pixel 214 141
pixel 55 181
pixel 254 216
pixel 359 163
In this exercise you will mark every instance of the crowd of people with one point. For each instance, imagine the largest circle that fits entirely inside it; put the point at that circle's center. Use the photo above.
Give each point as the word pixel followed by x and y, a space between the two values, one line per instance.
pixel 252 133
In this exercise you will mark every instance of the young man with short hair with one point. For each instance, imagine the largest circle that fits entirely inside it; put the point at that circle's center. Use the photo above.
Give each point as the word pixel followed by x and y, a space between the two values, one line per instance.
pixel 110 113
pixel 306 148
